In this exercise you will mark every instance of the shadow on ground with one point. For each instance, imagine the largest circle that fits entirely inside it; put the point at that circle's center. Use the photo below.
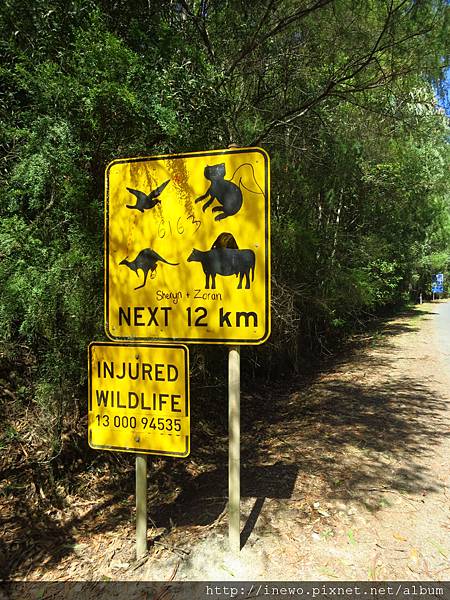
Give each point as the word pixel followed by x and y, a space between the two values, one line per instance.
pixel 354 438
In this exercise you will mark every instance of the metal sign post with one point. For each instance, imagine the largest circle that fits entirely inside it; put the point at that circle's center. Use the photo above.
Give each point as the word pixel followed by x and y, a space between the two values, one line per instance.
pixel 187 258
pixel 139 402
pixel 141 505
pixel 234 453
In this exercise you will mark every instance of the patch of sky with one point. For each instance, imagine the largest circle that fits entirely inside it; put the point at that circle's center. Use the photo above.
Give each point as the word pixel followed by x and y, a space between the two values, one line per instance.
pixel 443 92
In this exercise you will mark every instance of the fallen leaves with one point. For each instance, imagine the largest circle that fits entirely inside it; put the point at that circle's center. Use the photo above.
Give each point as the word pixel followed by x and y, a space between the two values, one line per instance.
pixel 351 537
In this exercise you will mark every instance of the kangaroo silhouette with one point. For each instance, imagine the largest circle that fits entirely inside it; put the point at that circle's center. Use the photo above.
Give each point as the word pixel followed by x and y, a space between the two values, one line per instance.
pixel 145 261
pixel 146 201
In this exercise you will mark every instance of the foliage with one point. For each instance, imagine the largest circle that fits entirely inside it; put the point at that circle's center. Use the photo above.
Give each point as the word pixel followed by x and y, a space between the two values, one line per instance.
pixel 341 95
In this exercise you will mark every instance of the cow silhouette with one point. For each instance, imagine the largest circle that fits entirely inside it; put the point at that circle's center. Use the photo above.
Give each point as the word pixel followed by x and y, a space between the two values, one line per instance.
pixel 145 261
pixel 145 201
pixel 225 261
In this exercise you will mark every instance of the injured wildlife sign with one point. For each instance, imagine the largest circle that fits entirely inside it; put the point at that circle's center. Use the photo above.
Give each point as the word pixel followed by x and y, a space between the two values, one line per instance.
pixel 139 398
pixel 187 253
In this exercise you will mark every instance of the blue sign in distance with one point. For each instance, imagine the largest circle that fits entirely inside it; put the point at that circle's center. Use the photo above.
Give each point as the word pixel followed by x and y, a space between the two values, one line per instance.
pixel 437 283
pixel 437 289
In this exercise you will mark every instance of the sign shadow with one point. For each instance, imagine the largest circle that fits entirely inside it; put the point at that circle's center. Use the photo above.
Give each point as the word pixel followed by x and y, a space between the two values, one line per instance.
pixel 269 481
pixel 204 500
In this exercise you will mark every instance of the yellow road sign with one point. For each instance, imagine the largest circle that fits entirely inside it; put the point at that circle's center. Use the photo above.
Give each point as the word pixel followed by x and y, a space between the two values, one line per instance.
pixel 187 253
pixel 139 398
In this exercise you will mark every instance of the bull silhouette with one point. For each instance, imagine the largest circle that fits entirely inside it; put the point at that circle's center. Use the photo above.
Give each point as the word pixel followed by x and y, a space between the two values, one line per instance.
pixel 225 261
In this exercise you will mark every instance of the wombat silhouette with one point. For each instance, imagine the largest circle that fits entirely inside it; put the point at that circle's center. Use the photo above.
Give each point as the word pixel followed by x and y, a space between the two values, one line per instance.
pixel 145 261
pixel 225 240
pixel 146 201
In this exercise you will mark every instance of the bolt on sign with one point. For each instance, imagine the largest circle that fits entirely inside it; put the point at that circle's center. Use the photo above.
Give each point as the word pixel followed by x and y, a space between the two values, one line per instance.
pixel 139 398
pixel 187 253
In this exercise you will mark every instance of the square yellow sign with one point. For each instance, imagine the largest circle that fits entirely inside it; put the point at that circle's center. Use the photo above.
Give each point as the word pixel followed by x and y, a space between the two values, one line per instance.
pixel 187 254
pixel 139 398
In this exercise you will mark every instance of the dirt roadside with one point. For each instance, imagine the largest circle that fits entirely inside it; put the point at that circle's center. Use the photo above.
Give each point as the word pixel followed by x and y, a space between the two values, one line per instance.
pixel 345 478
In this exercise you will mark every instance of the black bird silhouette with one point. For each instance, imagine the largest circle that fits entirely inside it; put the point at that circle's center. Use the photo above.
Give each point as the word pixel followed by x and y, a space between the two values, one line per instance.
pixel 145 201
pixel 145 261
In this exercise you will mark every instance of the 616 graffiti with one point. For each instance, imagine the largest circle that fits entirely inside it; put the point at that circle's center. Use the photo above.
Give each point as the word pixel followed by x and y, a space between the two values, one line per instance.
pixel 166 228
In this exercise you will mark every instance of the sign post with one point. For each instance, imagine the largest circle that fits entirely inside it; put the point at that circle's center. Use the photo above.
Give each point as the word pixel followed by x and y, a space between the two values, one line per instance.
pixel 139 402
pixel 234 450
pixel 141 505
pixel 187 258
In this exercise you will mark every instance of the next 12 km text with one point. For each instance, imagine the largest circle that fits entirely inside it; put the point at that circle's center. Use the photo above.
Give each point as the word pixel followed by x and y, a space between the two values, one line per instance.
pixel 159 316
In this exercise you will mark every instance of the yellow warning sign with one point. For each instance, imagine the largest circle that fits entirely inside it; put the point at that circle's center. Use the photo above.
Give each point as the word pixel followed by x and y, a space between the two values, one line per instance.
pixel 139 398
pixel 187 253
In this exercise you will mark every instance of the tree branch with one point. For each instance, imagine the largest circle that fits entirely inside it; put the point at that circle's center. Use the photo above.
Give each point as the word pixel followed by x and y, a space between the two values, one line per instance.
pixel 280 26
pixel 200 25
pixel 359 65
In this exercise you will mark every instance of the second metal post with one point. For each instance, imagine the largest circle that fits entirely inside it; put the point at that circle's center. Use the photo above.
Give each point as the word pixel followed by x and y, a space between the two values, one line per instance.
pixel 141 505
pixel 234 454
